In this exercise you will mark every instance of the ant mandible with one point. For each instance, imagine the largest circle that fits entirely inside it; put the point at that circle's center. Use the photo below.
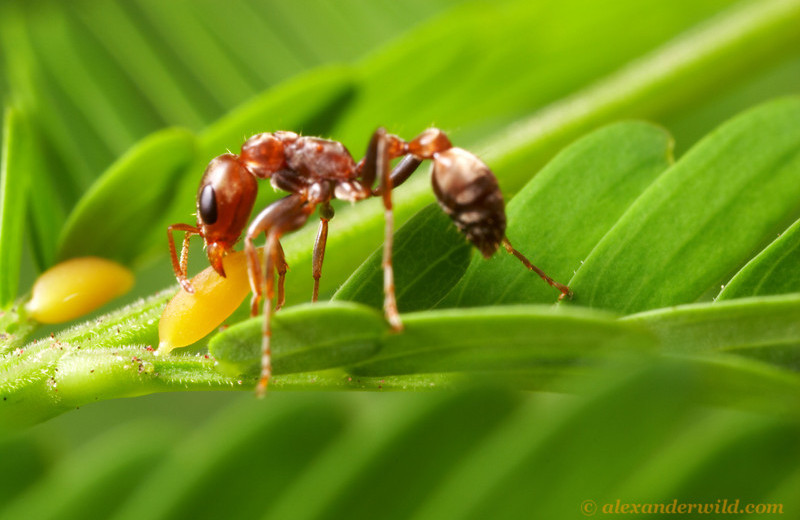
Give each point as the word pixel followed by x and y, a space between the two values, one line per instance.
pixel 314 171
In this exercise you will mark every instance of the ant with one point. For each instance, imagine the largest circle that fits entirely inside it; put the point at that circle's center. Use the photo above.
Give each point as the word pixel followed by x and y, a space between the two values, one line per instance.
pixel 314 171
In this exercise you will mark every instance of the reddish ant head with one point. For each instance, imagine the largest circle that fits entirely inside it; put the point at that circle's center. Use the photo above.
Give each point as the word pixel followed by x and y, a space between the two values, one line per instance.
pixel 224 202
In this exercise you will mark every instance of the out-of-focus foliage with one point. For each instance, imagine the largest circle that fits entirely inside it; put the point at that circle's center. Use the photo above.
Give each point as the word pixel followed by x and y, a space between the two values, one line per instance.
pixel 667 404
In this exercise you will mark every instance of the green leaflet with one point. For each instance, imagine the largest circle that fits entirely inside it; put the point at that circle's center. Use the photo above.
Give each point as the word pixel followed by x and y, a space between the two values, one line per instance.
pixel 561 214
pixel 501 340
pixel 767 328
pixel 15 163
pixel 45 210
pixel 305 338
pixel 703 218
pixel 429 256
pixel 466 99
pixel 775 270
pixel 126 203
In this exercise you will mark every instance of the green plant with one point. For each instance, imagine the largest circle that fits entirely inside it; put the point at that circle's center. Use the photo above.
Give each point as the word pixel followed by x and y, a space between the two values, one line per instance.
pixel 638 232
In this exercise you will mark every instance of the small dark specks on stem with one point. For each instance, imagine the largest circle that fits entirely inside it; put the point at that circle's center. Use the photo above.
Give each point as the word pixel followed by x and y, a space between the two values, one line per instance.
pixel 5 398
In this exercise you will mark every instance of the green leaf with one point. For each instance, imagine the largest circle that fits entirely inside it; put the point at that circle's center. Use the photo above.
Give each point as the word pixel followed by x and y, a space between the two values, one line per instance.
pixel 15 162
pixel 306 103
pixel 127 201
pixel 766 327
pixel 503 339
pixel 703 218
pixel 304 338
pixel 429 256
pixel 225 447
pixel 94 480
pixel 775 270
pixel 561 214
pixel 420 453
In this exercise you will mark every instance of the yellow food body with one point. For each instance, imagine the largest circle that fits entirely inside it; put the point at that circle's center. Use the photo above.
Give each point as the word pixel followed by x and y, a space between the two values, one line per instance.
pixel 190 317
pixel 76 287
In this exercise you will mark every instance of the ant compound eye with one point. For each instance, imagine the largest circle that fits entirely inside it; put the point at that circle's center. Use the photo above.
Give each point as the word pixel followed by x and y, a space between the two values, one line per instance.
pixel 207 205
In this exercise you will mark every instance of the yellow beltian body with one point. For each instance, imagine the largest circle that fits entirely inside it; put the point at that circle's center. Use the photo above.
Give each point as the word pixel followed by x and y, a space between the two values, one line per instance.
pixel 76 287
pixel 189 317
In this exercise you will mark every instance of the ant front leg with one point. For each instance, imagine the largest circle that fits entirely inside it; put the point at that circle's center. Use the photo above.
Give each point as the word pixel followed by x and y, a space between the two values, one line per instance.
pixel 325 214
pixel 180 266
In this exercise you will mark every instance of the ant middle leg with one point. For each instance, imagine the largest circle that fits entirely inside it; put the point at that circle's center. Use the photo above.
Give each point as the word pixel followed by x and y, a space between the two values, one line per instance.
pixel 325 214
pixel 281 266
pixel 287 214
pixel 279 218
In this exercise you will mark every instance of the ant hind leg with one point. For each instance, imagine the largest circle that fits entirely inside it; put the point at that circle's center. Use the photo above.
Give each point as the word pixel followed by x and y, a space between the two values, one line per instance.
pixel 565 291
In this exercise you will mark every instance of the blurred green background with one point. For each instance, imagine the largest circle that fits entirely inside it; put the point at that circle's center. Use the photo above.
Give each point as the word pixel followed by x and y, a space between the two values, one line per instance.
pixel 94 77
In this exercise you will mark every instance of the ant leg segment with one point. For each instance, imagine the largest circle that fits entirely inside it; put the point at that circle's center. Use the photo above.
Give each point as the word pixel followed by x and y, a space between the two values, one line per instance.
pixel 382 158
pixel 326 213
pixel 266 330
pixel 407 166
pixel 289 210
pixel 281 267
pixel 180 267
pixel 565 291
pixel 279 218
pixel 368 168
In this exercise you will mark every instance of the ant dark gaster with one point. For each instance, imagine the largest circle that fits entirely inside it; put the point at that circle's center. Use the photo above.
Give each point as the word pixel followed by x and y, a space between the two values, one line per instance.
pixel 314 171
